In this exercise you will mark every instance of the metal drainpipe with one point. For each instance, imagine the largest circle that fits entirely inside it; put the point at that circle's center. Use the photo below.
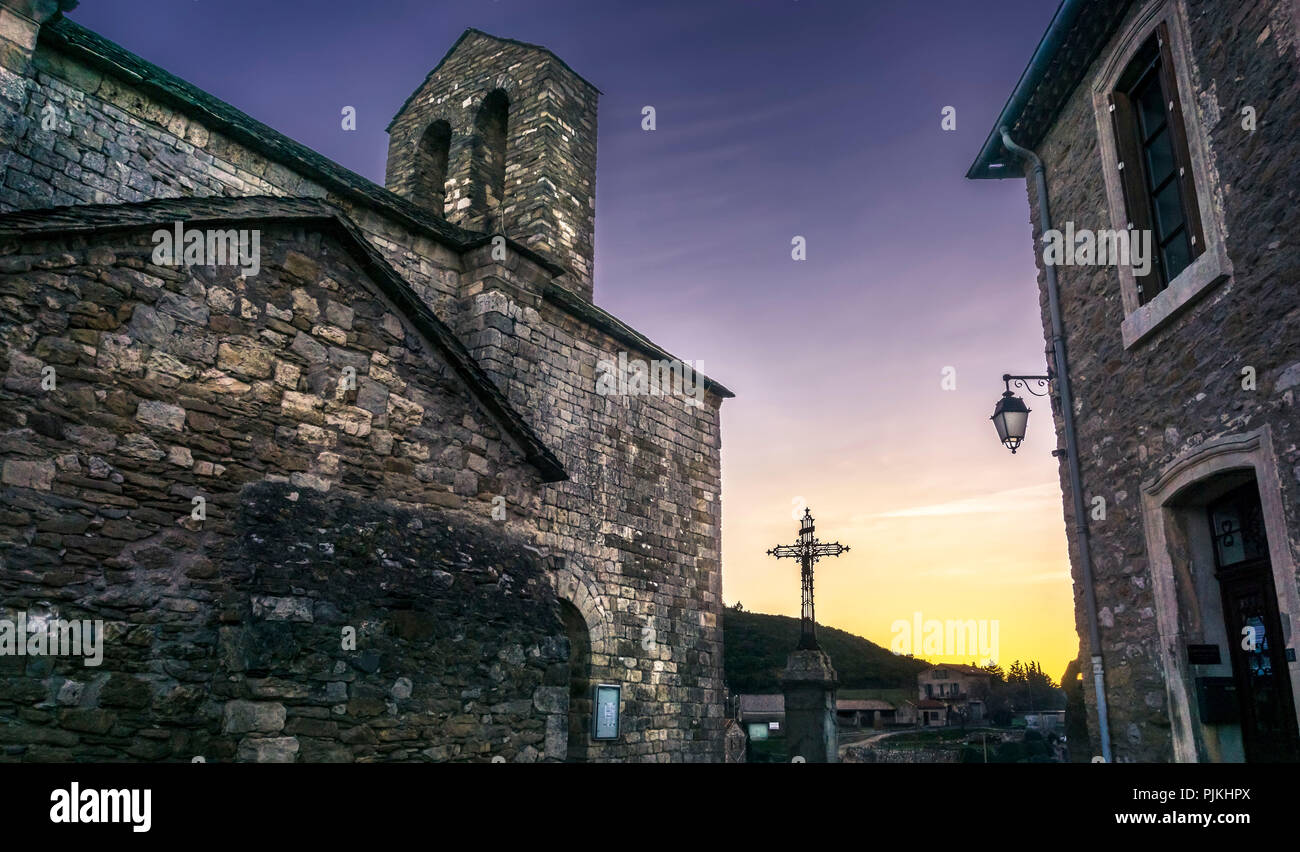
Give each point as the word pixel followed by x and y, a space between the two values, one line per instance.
pixel 1071 446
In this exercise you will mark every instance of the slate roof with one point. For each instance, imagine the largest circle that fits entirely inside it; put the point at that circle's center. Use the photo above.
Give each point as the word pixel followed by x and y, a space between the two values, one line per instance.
pixel 98 218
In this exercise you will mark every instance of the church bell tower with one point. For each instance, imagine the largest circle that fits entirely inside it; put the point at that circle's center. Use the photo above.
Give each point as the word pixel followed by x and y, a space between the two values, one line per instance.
pixel 501 138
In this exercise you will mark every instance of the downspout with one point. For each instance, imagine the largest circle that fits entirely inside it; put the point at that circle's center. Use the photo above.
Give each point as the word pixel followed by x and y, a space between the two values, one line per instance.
pixel 1071 445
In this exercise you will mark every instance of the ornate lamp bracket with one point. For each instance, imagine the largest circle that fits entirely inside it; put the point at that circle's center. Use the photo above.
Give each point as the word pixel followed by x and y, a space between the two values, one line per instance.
pixel 1029 383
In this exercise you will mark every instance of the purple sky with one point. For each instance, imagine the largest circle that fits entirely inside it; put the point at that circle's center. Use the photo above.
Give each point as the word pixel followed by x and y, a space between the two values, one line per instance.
pixel 775 118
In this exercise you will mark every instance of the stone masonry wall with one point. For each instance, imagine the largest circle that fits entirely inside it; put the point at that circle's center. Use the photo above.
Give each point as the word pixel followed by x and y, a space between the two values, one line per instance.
pixel 109 142
pixel 646 492
pixel 640 512
pixel 1138 409
pixel 224 634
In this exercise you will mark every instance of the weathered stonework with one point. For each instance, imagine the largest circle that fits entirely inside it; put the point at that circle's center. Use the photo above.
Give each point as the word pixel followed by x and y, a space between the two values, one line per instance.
pixel 474 409
pixel 1142 408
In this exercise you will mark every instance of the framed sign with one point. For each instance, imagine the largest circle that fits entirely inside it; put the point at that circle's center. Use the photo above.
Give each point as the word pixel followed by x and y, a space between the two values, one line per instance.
pixel 605 707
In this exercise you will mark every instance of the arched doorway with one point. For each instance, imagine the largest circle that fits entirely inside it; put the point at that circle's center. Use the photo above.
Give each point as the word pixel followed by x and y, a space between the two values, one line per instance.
pixel 1226 601
pixel 575 628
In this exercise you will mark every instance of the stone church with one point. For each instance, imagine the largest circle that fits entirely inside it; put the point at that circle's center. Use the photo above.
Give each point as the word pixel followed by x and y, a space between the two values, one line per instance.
pixel 1178 120
pixel 323 464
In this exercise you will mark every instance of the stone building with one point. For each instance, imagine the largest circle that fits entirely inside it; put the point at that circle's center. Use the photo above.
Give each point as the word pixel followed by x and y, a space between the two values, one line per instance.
pixel 1177 119
pixel 961 688
pixel 337 476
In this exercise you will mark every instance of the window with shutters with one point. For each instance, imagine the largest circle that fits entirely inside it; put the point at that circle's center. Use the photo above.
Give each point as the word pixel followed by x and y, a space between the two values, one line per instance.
pixel 1158 169
pixel 1157 174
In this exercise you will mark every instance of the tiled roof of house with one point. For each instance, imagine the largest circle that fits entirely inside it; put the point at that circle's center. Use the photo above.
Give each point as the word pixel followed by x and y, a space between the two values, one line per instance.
pixel 862 704
pixel 958 667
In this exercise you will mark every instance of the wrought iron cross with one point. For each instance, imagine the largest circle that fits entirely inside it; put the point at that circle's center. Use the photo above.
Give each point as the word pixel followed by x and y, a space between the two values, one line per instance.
pixel 807 551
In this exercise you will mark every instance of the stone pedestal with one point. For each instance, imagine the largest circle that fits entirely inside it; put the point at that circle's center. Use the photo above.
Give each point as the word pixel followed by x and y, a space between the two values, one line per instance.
pixel 809 685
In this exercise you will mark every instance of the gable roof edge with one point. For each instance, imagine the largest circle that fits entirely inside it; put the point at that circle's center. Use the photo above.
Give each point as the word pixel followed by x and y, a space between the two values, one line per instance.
pixel 993 152
pixel 1078 32
pixel 98 218
pixel 476 31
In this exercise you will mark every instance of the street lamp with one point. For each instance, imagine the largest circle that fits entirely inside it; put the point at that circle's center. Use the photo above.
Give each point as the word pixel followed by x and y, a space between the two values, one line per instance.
pixel 1011 415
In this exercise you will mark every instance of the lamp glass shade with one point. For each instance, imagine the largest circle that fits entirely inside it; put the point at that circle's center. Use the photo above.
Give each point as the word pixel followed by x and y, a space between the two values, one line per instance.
pixel 1010 418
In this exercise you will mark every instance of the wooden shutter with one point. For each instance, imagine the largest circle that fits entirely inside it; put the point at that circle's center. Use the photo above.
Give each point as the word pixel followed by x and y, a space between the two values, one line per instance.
pixel 1137 205
pixel 1178 135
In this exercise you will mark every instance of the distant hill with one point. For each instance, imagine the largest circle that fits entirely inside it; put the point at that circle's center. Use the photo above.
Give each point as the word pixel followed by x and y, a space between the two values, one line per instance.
pixel 756 645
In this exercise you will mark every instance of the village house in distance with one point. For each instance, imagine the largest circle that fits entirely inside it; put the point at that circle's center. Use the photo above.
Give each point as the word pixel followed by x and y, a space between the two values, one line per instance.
pixel 957 689
pixel 354 497
pixel 1177 119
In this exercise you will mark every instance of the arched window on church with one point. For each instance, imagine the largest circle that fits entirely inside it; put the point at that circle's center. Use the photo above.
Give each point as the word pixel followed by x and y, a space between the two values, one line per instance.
pixel 430 179
pixel 575 627
pixel 489 157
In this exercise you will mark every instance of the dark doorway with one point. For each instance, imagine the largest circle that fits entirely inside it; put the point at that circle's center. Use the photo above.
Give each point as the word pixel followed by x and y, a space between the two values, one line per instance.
pixel 575 626
pixel 1255 639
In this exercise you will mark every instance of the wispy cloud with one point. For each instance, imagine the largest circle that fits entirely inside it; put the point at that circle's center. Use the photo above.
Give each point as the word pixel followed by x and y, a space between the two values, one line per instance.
pixel 1010 501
